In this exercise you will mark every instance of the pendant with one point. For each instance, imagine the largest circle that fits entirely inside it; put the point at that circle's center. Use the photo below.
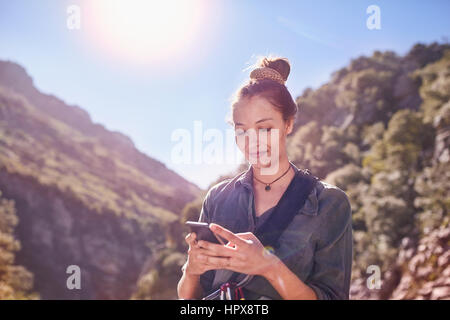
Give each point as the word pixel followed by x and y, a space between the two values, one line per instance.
pixel 267 188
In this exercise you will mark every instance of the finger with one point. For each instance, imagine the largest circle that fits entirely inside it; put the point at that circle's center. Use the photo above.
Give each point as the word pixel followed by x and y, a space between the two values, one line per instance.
pixel 221 263
pixel 213 249
pixel 227 234
pixel 207 267
pixel 246 235
pixel 218 262
pixel 191 238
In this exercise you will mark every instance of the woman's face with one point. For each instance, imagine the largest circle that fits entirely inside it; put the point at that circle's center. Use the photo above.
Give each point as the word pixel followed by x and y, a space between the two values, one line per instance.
pixel 260 131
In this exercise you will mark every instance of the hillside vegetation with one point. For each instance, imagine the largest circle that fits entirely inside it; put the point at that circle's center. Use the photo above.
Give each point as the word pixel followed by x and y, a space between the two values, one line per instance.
pixel 83 195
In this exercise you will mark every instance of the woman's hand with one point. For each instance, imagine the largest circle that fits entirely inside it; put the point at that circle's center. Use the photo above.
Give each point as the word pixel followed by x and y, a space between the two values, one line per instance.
pixel 195 265
pixel 243 253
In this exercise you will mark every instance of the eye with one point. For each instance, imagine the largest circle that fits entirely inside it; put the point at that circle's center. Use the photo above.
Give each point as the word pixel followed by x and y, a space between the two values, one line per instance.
pixel 265 130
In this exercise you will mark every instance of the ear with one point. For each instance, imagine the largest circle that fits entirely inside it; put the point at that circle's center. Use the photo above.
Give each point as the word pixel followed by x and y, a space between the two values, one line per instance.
pixel 289 125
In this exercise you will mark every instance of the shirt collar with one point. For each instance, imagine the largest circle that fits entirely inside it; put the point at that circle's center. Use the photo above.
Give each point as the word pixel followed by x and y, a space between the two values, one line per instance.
pixel 245 179
pixel 311 206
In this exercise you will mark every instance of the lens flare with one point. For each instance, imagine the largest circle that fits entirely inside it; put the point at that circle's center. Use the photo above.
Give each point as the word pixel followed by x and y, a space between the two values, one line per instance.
pixel 268 250
pixel 144 31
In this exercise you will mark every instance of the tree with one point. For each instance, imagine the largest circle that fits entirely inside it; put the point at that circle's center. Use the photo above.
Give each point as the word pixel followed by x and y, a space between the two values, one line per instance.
pixel 15 281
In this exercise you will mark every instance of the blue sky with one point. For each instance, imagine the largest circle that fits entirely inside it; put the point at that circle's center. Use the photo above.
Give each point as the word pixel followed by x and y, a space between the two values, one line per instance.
pixel 148 98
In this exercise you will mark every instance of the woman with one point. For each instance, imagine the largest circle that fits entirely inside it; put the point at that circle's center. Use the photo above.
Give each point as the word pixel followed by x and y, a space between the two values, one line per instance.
pixel 314 257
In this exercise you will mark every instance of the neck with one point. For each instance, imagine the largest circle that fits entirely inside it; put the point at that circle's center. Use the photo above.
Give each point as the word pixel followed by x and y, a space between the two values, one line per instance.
pixel 283 165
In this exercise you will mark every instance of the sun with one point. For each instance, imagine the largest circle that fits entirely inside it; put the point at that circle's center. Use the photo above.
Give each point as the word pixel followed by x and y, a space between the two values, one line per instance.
pixel 145 31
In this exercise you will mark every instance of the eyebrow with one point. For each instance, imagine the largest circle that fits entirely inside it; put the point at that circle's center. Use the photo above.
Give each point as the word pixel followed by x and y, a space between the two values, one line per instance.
pixel 260 120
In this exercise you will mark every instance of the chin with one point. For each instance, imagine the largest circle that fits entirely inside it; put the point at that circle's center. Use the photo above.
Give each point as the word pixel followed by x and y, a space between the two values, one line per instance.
pixel 258 164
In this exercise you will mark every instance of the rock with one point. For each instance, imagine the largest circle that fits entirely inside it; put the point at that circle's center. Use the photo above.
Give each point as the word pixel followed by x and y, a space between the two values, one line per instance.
pixel 444 234
pixel 444 259
pixel 426 289
pixel 443 281
pixel 402 289
pixel 423 272
pixel 446 272
pixel 441 293
pixel 415 261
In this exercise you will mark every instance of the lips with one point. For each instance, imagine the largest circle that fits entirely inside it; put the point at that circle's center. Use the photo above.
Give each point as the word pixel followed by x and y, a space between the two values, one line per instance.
pixel 257 154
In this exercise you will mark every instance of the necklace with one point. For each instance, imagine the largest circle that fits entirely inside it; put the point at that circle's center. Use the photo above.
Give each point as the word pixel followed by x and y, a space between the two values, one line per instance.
pixel 267 188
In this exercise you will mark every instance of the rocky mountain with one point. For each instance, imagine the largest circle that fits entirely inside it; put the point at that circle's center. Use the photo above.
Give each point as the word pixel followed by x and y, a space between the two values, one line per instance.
pixel 84 195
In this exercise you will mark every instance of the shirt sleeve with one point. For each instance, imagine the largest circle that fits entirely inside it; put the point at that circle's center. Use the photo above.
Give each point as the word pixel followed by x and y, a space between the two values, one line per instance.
pixel 207 278
pixel 203 217
pixel 204 211
pixel 330 277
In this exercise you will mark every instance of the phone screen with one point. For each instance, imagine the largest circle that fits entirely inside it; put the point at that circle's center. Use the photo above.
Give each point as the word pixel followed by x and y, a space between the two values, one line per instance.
pixel 203 232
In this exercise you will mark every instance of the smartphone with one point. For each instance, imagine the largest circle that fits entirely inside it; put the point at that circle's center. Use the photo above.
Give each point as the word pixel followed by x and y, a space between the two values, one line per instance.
pixel 203 232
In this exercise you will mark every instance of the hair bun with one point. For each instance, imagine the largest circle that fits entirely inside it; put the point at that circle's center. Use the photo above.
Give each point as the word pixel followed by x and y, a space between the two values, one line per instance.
pixel 263 73
pixel 279 64
pixel 273 68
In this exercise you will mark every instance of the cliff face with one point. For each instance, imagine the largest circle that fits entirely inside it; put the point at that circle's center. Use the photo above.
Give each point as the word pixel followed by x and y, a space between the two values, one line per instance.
pixel 57 231
pixel 84 195
pixel 421 271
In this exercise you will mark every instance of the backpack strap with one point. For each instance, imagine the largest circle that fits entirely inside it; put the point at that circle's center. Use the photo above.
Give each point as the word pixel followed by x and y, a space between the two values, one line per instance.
pixel 292 200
